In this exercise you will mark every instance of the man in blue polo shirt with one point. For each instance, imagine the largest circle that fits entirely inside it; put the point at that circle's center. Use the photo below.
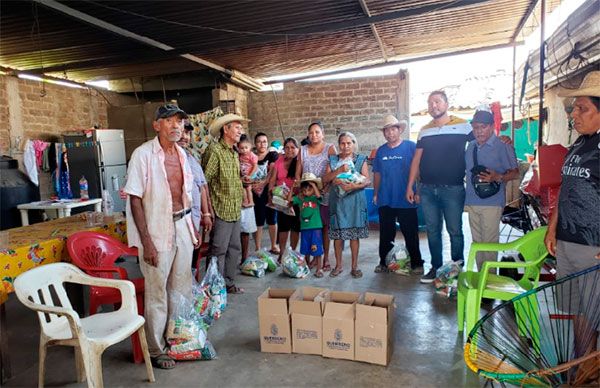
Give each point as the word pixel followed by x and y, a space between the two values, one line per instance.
pixel 501 166
pixel 390 168
pixel 440 162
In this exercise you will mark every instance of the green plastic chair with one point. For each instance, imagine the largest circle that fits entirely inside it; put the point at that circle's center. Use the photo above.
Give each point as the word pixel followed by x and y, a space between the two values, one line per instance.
pixel 473 285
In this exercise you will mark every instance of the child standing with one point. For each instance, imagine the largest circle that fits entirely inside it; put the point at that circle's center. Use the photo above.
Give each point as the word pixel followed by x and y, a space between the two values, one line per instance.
pixel 311 225
pixel 248 166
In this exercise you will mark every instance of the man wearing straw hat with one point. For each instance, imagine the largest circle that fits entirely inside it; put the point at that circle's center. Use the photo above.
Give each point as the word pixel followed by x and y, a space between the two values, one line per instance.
pixel 390 169
pixel 222 171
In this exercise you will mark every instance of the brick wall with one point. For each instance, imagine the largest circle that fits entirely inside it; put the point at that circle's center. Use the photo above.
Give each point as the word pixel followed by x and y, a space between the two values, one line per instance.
pixel 357 105
pixel 25 113
pixel 230 92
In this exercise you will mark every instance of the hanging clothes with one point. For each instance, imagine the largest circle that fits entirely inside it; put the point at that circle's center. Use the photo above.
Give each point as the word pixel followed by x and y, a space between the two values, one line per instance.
pixel 29 162
pixel 46 158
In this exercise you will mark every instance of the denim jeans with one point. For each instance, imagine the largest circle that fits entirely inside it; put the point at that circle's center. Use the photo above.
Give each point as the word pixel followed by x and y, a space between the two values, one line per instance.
pixel 445 201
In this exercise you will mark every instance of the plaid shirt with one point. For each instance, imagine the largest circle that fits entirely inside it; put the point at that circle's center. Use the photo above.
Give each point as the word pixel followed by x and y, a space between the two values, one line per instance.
pixel 222 172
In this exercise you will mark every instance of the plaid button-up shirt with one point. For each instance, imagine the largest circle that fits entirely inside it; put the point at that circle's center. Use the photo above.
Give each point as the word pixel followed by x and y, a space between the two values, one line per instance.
pixel 222 172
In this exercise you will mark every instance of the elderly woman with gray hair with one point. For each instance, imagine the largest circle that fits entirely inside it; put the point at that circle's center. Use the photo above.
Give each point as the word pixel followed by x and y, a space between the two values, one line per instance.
pixel 347 201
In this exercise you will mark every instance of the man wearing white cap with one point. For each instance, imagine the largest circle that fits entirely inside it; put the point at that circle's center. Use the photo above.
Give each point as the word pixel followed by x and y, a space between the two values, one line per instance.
pixel 222 171
pixel 390 168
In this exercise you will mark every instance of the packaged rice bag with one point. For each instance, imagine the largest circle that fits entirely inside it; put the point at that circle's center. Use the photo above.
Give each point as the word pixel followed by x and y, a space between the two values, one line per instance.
pixel 253 266
pixel 294 265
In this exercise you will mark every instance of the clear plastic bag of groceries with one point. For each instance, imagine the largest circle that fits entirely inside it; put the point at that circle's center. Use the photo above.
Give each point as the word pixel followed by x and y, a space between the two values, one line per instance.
pixel 213 284
pixel 279 200
pixel 350 176
pixel 446 281
pixel 186 330
pixel 397 260
pixel 253 266
pixel 294 265
pixel 268 258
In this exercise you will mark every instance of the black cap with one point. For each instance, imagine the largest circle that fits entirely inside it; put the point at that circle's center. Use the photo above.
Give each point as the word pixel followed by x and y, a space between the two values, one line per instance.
pixel 484 117
pixel 169 110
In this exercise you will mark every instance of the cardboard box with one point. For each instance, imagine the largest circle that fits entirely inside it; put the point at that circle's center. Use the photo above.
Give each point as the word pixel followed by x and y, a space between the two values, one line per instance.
pixel 274 320
pixel 374 339
pixel 307 320
pixel 338 325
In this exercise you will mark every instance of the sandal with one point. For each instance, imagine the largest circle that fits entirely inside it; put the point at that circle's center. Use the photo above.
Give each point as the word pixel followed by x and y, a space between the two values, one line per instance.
pixel 274 251
pixel 381 269
pixel 336 271
pixel 327 267
pixel 235 290
pixel 163 361
pixel 319 274
pixel 356 273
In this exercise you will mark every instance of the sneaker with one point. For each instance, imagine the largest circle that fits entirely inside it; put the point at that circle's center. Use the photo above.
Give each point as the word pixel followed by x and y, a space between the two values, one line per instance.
pixel 381 269
pixel 417 271
pixel 429 277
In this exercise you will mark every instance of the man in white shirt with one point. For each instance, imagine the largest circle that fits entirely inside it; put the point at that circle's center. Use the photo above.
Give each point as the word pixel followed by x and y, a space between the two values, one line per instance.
pixel 160 225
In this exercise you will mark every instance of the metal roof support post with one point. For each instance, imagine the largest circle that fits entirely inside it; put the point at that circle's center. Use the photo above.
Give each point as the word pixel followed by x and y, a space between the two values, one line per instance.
pixel 542 60
pixel 514 78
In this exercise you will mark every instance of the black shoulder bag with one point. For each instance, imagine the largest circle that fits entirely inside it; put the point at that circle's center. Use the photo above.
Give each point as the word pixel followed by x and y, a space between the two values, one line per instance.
pixel 482 189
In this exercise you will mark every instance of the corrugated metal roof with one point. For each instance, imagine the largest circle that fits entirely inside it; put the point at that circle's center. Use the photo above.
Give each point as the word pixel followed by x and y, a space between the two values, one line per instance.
pixel 260 38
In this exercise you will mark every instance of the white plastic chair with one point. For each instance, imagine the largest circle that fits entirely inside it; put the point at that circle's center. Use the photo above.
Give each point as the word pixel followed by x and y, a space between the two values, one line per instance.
pixel 42 290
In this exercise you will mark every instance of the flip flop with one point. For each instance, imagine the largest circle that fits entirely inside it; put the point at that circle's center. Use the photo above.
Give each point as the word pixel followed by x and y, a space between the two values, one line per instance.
pixel 335 272
pixel 327 267
pixel 163 361
pixel 319 274
pixel 274 251
pixel 235 290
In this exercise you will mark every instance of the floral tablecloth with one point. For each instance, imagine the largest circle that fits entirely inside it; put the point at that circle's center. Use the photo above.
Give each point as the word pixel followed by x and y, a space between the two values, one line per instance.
pixel 45 242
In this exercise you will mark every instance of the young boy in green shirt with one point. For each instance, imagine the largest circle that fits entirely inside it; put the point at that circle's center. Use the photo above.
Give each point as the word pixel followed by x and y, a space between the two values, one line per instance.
pixel 311 226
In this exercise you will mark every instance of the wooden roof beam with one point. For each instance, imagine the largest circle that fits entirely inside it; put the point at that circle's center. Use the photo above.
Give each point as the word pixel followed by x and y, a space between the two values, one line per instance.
pixel 365 8
pixel 83 17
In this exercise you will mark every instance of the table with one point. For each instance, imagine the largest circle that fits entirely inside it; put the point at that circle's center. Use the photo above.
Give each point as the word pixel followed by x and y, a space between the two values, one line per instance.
pixel 34 245
pixel 63 207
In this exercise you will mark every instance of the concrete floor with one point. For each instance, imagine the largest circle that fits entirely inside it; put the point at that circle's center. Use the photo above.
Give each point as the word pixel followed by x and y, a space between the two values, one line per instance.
pixel 428 349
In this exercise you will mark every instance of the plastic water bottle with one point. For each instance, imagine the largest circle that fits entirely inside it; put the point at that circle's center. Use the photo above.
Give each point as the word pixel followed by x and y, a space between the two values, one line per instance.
pixel 107 203
pixel 83 188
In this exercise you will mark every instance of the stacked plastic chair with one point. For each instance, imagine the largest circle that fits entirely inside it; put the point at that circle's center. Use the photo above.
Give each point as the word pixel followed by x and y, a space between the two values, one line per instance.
pixel 547 336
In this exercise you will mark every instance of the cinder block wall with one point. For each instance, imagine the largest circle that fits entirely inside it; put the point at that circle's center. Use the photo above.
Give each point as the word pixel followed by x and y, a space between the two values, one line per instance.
pixel 357 105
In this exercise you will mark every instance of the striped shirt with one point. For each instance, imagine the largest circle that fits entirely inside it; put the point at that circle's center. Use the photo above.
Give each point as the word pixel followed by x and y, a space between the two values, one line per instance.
pixel 222 172
pixel 443 159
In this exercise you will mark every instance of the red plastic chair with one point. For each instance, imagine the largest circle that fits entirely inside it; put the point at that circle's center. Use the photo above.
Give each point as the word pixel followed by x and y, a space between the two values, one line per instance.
pixel 95 253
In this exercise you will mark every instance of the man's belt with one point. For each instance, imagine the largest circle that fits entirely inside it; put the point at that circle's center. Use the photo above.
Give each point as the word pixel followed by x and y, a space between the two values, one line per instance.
pixel 180 214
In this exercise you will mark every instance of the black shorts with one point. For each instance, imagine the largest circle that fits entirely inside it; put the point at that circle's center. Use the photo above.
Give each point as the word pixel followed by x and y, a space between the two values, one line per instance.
pixel 286 223
pixel 262 212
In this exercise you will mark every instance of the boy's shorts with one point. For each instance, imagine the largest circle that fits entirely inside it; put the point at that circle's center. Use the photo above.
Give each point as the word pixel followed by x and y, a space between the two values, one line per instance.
pixel 310 237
